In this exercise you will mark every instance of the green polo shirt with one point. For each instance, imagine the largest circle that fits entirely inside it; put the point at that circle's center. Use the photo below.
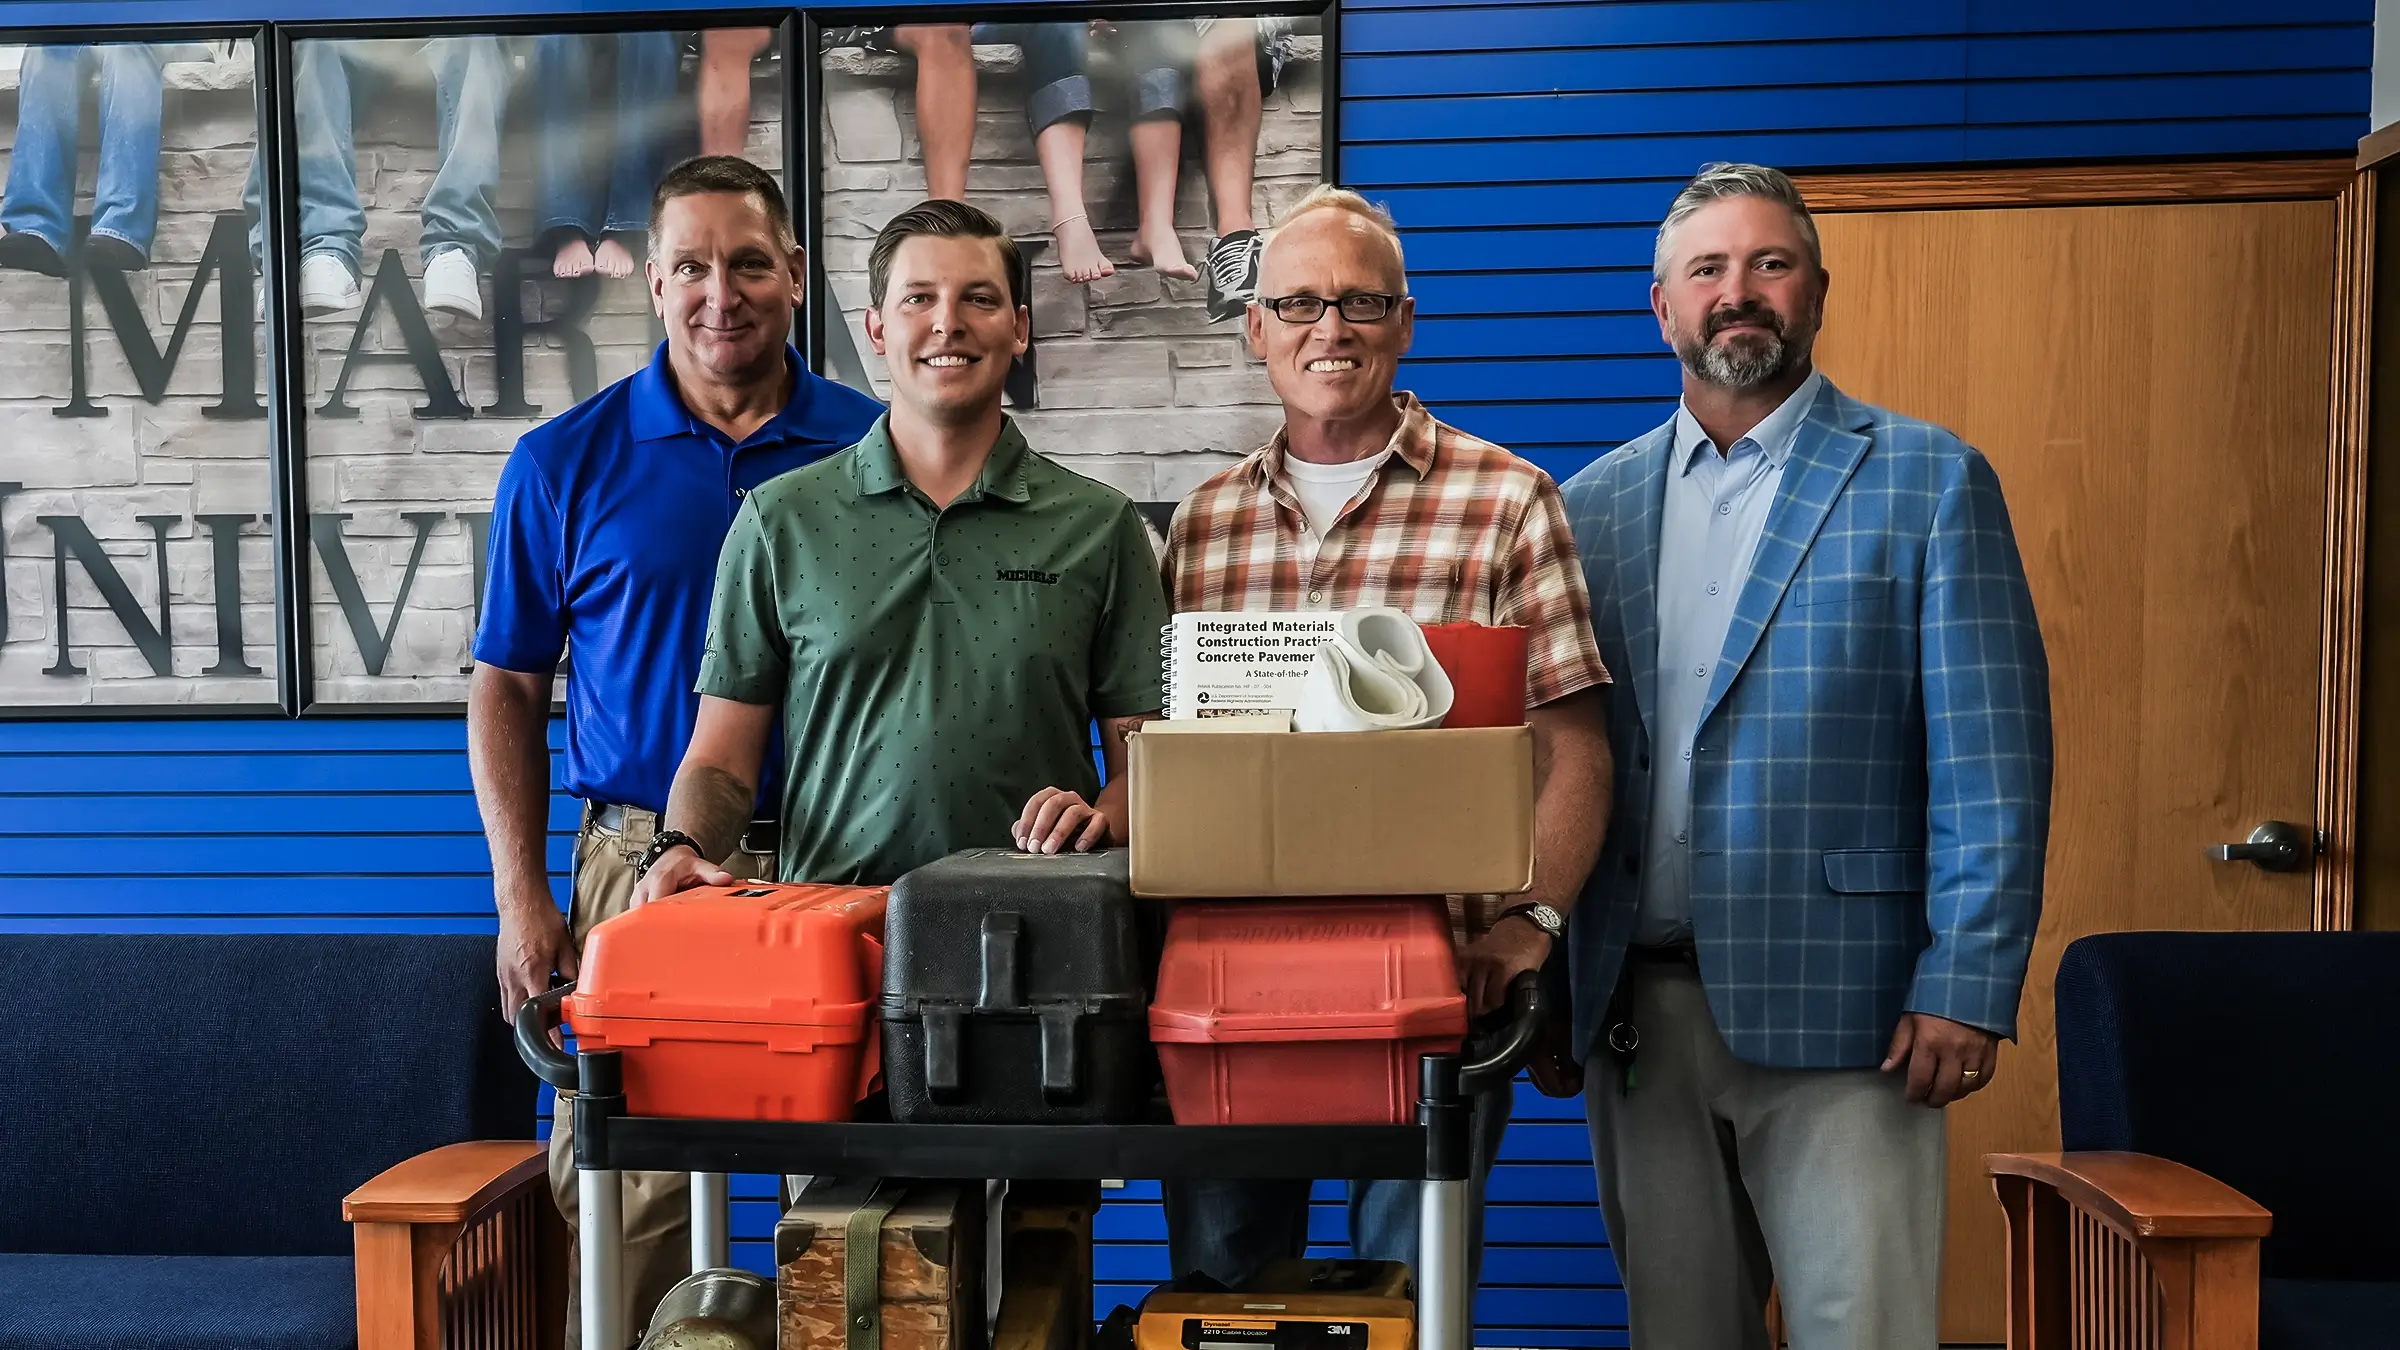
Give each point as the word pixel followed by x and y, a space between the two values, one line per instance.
pixel 936 668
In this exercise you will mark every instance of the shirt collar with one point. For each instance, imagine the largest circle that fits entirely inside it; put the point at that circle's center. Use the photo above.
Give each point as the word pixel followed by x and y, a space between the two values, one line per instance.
pixel 1005 472
pixel 1774 435
pixel 1413 443
pixel 656 410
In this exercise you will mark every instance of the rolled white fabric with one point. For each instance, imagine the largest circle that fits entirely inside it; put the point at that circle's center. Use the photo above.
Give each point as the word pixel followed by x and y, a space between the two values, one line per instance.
pixel 1375 675
pixel 1384 632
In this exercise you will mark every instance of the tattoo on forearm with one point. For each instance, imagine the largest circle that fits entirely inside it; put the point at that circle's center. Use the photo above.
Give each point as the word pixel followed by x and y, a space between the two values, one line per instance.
pixel 711 806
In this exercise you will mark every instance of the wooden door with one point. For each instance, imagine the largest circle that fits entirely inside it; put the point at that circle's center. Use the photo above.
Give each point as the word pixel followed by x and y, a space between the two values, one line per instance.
pixel 2151 383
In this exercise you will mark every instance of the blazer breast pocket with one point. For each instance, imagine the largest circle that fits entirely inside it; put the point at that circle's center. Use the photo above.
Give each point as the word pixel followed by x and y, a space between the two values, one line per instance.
pixel 1875 871
pixel 1846 588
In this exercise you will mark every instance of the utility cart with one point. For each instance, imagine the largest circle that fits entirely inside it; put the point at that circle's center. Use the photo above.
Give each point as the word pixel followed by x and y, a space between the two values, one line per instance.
pixel 608 1140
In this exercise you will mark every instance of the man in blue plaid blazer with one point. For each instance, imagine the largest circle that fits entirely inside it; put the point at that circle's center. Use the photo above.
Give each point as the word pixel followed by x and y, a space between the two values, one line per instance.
pixel 1809 926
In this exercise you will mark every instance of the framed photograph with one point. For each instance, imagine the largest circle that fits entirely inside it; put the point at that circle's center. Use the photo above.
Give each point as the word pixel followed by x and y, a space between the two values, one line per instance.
pixel 473 211
pixel 1135 160
pixel 137 564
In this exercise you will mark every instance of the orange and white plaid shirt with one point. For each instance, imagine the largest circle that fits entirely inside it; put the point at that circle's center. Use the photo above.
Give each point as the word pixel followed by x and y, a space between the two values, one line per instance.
pixel 1452 529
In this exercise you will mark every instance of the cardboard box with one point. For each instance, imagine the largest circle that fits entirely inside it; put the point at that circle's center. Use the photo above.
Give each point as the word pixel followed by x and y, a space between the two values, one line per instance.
pixel 1332 813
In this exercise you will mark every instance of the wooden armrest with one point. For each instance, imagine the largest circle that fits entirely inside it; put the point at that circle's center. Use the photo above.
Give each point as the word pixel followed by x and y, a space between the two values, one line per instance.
pixel 2143 1196
pixel 451 1184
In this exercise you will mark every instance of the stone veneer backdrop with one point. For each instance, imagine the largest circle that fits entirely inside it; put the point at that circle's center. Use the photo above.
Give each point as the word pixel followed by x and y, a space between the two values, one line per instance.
pixel 1136 387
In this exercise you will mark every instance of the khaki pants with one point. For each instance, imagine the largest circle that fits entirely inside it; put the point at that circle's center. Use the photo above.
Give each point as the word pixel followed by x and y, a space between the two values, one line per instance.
pixel 658 1216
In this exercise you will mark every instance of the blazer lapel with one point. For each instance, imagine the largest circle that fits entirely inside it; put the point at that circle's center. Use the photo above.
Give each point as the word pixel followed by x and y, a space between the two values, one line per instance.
pixel 1824 455
pixel 1640 507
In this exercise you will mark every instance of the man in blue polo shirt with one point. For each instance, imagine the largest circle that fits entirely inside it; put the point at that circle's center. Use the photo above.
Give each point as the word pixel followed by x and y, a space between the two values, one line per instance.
pixel 604 538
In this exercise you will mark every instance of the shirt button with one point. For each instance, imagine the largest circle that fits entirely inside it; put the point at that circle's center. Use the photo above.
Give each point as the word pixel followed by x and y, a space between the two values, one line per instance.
pixel 1701 671
pixel 1724 508
pixel 1712 588
pixel 942 559
pixel 1687 754
pixel 1682 837
pixel 1316 597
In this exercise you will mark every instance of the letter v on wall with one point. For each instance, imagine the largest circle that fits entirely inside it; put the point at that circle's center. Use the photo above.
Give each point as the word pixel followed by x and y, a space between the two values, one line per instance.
pixel 374 644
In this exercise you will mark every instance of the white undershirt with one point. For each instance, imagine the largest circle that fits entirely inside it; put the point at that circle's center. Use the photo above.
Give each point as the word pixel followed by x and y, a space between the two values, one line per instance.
pixel 1324 489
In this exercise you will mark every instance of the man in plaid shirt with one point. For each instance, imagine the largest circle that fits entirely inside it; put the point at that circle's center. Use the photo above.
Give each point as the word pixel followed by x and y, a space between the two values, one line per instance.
pixel 1364 499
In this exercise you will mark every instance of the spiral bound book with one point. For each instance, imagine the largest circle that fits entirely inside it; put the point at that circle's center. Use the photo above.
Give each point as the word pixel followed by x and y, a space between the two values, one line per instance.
pixel 1220 663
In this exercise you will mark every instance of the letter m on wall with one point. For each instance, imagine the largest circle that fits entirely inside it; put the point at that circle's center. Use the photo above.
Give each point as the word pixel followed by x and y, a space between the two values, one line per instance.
pixel 226 260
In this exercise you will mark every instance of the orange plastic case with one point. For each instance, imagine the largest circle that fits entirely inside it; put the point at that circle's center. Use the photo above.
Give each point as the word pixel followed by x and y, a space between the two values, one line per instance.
pixel 1304 1013
pixel 750 1002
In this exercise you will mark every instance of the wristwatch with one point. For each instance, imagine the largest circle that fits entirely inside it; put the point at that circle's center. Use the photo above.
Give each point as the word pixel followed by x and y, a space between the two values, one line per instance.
pixel 1540 916
pixel 659 844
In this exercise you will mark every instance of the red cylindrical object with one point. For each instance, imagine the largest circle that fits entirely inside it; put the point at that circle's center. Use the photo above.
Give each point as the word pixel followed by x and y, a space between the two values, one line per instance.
pixel 1486 665
pixel 1304 1013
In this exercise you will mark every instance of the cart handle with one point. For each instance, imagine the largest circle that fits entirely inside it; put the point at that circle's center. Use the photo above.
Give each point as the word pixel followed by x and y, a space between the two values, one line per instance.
pixel 535 1017
pixel 1527 1008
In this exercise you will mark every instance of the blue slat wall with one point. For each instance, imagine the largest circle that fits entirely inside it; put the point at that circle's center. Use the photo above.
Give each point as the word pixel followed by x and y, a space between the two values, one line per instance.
pixel 1527 148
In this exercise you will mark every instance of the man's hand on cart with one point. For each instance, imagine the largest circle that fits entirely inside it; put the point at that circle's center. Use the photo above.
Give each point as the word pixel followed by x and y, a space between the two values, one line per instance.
pixel 1489 963
pixel 533 942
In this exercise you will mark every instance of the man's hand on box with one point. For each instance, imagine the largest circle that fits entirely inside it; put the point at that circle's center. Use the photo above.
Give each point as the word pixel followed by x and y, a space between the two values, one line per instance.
pixel 1491 962
pixel 677 870
pixel 1057 820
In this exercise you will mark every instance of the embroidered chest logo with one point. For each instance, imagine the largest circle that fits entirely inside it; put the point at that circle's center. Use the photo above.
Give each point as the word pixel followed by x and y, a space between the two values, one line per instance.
pixel 1033 574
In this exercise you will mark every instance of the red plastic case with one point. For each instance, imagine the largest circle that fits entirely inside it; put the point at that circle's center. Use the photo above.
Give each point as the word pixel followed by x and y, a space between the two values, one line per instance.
pixel 1304 1013
pixel 751 1002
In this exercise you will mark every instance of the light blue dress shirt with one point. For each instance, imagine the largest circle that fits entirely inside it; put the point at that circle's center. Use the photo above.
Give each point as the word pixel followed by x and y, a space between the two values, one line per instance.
pixel 1715 510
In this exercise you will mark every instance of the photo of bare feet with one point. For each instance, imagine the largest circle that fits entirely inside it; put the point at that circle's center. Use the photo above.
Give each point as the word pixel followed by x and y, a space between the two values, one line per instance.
pixel 1079 255
pixel 574 260
pixel 612 259
pixel 1159 249
pixel 1136 163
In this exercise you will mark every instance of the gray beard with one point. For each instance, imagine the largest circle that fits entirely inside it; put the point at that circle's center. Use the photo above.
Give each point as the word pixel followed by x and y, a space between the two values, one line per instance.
pixel 1745 365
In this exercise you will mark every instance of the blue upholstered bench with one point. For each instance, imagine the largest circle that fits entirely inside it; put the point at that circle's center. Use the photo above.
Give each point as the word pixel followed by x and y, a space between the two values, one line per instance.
pixel 2230 1107
pixel 183 1117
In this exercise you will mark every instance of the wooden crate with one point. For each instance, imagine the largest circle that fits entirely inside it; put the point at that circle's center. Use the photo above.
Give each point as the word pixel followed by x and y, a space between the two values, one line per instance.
pixel 931 1280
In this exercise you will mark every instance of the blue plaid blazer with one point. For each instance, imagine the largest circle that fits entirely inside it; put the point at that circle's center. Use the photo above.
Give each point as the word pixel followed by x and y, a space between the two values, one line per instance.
pixel 1871 776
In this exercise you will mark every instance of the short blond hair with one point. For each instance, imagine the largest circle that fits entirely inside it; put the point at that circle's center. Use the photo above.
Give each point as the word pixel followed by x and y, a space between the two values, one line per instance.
pixel 1327 197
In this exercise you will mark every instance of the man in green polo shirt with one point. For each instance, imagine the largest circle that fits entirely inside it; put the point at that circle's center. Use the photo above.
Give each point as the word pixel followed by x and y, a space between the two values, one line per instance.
pixel 938 612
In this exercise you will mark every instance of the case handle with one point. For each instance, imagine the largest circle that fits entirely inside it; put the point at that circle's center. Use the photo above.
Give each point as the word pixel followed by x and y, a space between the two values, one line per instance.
pixel 942 1076
pixel 1058 1054
pixel 1001 935
pixel 1526 1010
pixel 549 1063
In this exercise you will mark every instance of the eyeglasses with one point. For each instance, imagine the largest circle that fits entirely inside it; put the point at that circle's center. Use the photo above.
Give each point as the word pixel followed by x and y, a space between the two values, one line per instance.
pixel 1357 307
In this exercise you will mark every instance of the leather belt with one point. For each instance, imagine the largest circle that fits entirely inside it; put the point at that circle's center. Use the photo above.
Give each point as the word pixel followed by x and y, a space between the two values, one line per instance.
pixel 761 836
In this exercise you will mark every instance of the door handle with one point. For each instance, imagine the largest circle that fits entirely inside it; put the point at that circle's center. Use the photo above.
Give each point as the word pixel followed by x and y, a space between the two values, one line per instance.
pixel 2275 846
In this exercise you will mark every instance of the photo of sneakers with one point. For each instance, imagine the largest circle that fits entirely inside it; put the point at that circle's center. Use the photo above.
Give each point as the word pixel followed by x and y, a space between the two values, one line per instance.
pixel 1233 274
pixel 29 252
pixel 451 284
pixel 327 286
pixel 865 37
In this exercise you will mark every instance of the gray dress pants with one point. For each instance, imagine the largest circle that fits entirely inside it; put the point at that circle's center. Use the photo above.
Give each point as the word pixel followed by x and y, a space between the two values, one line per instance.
pixel 1720 1178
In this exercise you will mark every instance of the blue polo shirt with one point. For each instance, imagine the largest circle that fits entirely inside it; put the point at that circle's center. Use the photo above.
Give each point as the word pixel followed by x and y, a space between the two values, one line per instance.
pixel 604 539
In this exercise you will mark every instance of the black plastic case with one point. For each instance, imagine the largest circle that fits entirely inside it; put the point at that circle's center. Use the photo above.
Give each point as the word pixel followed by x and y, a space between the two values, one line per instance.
pixel 1016 990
